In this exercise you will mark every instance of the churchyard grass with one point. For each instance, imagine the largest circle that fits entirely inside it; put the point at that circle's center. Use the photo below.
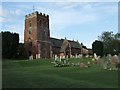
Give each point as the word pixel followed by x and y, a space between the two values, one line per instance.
pixel 43 74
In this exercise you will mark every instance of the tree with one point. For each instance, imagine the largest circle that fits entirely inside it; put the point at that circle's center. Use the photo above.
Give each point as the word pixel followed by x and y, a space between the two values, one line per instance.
pixel 97 48
pixel 111 43
pixel 21 54
pixel 10 42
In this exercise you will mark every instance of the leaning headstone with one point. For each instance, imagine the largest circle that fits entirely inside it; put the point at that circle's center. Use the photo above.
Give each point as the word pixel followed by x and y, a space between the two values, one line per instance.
pixel 95 56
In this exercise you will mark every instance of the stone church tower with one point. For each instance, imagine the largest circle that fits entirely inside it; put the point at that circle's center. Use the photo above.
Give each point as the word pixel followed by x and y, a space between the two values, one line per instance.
pixel 37 35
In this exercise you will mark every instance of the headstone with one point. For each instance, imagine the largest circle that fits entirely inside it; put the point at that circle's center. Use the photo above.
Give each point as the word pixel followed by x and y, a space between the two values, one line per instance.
pixel 60 58
pixel 76 56
pixel 38 55
pixel 88 63
pixel 67 57
pixel 31 57
pixel 56 57
pixel 95 56
pixel 93 59
pixel 80 56
pixel 87 56
pixel 115 59
pixel 82 65
pixel 109 56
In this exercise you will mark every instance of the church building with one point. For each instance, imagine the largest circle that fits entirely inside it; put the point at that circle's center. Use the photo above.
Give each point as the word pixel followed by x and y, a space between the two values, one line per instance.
pixel 39 44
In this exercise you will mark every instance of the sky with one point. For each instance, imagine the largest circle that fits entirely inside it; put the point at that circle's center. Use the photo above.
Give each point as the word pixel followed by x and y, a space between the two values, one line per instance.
pixel 82 21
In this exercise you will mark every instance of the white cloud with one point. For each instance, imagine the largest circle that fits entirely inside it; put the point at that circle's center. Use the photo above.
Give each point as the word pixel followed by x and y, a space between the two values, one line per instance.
pixel 68 19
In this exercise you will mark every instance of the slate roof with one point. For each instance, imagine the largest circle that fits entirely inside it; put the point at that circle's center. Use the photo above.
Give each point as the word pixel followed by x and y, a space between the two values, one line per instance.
pixel 58 43
pixel 74 44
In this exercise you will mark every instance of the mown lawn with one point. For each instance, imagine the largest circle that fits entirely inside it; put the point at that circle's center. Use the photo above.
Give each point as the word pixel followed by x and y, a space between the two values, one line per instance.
pixel 42 74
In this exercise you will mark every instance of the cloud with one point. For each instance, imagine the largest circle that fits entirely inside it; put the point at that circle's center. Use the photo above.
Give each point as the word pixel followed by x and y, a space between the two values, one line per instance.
pixel 67 14
pixel 63 17
pixel 67 19
pixel 13 13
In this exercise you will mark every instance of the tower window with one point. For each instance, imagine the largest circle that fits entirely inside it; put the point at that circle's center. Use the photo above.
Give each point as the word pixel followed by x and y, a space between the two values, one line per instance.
pixel 30 23
pixel 40 23
pixel 44 24
pixel 30 31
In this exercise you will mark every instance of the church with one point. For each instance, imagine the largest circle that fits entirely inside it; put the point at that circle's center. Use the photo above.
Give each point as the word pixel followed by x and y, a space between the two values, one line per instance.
pixel 39 44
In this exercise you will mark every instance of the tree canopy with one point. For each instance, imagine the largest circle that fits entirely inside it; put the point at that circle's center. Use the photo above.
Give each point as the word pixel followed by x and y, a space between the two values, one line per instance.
pixel 97 47
pixel 10 42
pixel 111 43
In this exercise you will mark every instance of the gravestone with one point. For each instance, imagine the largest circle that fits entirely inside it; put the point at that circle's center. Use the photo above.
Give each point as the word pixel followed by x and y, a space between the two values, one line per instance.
pixel 109 56
pixel 115 59
pixel 76 56
pixel 111 62
pixel 95 56
pixel 31 57
pixel 56 57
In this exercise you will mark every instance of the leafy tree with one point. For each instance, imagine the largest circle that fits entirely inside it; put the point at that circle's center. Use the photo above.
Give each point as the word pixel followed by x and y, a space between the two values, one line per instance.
pixel 10 42
pixel 111 43
pixel 97 47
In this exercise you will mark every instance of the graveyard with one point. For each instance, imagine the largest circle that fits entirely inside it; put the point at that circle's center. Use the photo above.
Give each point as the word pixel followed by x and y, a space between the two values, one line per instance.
pixel 40 73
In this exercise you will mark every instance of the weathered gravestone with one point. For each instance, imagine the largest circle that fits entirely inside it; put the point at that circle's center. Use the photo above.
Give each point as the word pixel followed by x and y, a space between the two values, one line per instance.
pixel 111 62
pixel 114 62
pixel 31 57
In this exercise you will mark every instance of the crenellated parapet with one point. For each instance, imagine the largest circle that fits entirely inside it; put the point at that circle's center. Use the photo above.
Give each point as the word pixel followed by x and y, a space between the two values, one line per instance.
pixel 35 14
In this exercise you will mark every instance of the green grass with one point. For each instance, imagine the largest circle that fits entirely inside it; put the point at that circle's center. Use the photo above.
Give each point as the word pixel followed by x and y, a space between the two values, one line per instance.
pixel 42 74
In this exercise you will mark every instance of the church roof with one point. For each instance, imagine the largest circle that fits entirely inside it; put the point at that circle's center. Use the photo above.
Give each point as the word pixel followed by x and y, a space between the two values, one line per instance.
pixel 74 44
pixel 58 43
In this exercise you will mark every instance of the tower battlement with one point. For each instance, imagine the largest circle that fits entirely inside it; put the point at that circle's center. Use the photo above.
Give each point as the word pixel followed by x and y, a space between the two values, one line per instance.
pixel 36 13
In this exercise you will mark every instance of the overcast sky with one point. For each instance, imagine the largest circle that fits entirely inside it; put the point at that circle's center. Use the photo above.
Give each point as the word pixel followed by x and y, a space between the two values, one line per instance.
pixel 82 21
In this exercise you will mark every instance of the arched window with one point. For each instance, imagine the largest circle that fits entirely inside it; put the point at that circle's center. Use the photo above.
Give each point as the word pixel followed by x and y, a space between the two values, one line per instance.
pixel 29 40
